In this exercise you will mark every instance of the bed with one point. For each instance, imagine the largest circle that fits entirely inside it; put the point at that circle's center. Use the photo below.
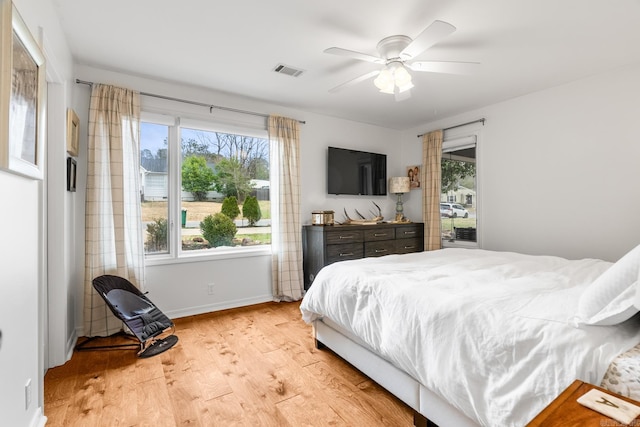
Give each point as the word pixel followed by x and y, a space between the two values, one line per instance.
pixel 470 337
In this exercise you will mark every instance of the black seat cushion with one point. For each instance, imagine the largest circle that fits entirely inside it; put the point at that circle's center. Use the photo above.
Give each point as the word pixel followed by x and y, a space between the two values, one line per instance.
pixel 128 304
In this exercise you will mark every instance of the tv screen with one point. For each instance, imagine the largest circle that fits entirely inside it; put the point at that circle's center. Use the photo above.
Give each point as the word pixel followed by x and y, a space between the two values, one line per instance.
pixel 356 172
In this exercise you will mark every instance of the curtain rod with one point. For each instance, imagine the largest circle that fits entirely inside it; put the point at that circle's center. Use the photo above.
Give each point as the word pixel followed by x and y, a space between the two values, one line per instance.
pixel 201 104
pixel 460 125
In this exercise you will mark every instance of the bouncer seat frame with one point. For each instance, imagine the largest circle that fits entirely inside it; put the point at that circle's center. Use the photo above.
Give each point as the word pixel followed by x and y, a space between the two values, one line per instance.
pixel 150 326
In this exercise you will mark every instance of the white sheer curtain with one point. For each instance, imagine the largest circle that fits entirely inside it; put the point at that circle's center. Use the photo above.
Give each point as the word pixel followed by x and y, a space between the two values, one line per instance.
pixel 286 226
pixel 113 229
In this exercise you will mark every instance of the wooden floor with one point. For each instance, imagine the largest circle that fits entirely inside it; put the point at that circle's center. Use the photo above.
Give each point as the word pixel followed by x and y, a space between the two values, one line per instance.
pixel 252 366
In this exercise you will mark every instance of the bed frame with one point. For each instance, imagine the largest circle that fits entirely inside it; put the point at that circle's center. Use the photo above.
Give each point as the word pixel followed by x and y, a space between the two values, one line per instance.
pixel 429 409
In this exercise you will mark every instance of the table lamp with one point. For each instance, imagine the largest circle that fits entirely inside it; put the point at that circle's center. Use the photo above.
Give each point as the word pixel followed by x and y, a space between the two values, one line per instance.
pixel 399 185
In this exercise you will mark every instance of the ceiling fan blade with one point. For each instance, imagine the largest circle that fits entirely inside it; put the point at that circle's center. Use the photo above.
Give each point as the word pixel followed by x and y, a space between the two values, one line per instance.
pixel 355 55
pixel 429 36
pixel 354 81
pixel 449 67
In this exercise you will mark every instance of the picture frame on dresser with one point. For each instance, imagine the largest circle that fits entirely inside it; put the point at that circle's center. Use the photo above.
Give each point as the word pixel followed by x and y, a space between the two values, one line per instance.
pixel 22 96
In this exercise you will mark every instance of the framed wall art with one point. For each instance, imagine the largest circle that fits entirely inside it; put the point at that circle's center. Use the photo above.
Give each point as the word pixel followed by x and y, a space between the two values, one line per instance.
pixel 413 172
pixel 22 96
pixel 73 129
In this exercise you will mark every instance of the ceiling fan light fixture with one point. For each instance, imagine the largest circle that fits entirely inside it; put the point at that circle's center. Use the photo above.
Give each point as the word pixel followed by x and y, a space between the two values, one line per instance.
pixel 384 79
pixel 401 76
pixel 394 77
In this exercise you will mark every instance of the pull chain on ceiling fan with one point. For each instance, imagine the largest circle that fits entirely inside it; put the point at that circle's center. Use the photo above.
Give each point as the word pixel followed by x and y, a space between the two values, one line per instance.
pixel 396 53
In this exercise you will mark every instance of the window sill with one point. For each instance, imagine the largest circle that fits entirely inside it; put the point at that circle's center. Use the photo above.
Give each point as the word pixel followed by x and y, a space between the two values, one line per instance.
pixel 459 244
pixel 208 255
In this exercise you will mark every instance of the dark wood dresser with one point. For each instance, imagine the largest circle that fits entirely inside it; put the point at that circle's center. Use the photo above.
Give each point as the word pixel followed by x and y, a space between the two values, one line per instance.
pixel 324 245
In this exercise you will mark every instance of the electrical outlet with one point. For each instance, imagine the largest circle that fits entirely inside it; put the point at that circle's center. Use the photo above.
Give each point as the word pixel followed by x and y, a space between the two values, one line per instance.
pixel 211 288
pixel 27 394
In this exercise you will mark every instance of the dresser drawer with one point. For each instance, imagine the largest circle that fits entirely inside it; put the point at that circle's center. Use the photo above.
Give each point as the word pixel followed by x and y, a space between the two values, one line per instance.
pixel 406 246
pixel 409 231
pixel 344 236
pixel 344 252
pixel 379 234
pixel 381 248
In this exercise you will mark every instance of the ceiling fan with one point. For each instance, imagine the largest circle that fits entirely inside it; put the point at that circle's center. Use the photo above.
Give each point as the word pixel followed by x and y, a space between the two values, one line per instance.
pixel 396 54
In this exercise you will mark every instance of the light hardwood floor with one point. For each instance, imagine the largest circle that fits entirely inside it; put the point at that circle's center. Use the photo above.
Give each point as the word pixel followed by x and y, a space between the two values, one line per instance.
pixel 252 366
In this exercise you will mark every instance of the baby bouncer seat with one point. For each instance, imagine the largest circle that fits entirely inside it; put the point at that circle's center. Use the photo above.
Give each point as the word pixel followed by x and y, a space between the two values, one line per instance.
pixel 152 328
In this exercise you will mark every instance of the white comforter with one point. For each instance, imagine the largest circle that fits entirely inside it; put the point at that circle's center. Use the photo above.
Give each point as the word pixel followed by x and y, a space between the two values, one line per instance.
pixel 491 332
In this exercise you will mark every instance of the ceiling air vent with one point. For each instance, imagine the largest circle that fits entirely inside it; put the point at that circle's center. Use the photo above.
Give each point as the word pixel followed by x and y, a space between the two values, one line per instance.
pixel 289 71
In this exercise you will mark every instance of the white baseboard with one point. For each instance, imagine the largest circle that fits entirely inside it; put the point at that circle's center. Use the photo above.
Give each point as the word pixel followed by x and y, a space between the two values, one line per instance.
pixel 192 311
pixel 71 344
pixel 38 420
pixel 189 311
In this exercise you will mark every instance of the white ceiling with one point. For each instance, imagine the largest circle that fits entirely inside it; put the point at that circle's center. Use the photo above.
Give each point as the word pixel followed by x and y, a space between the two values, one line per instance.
pixel 233 46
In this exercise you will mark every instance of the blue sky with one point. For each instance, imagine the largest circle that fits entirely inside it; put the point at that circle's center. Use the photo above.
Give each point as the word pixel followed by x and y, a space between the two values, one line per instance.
pixel 152 136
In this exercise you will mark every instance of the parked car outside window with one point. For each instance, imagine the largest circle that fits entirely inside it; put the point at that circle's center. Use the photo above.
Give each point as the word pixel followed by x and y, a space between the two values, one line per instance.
pixel 453 210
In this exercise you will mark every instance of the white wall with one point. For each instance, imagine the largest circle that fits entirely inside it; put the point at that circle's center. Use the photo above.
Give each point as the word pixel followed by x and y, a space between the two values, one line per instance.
pixel 23 260
pixel 19 298
pixel 321 132
pixel 558 169
pixel 180 289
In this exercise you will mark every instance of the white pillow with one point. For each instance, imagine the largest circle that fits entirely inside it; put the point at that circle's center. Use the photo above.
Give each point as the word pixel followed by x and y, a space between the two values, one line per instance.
pixel 609 299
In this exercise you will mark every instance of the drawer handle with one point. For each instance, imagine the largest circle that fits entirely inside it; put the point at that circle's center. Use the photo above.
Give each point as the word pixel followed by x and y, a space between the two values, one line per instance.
pixel 409 247
pixel 346 237
pixel 379 234
pixel 409 232
pixel 380 250
pixel 347 254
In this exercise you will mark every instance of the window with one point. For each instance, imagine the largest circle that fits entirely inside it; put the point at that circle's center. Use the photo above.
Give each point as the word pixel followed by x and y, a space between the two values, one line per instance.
pixel 204 189
pixel 154 186
pixel 458 209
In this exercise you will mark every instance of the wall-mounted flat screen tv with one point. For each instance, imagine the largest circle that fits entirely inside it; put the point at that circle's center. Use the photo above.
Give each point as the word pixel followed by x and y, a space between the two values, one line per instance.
pixel 356 172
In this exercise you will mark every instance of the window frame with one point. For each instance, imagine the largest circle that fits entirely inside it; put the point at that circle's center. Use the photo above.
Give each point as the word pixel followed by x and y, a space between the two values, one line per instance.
pixel 175 254
pixel 457 140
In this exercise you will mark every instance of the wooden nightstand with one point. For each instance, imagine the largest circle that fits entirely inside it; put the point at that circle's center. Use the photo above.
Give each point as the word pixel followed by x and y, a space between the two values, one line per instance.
pixel 565 411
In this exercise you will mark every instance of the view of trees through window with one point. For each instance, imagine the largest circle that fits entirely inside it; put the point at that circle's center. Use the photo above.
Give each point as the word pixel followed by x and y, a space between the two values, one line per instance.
pixel 458 200
pixel 224 189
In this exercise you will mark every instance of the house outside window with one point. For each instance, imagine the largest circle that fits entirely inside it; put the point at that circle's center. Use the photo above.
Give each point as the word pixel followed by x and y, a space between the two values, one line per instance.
pixel 204 189
pixel 458 207
pixel 154 186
